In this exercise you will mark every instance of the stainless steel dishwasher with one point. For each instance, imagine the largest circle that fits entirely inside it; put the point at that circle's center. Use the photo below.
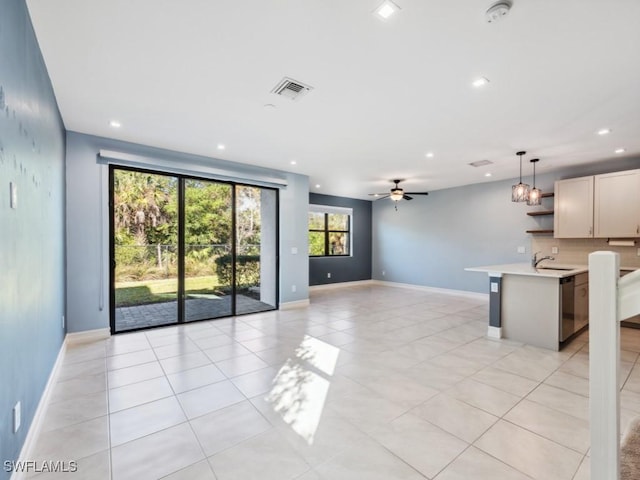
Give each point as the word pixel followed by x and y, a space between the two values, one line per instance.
pixel 574 304
pixel 567 307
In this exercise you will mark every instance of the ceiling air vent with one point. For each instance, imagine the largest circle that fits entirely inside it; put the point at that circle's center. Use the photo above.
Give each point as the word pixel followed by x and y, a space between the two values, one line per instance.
pixel 291 89
pixel 480 163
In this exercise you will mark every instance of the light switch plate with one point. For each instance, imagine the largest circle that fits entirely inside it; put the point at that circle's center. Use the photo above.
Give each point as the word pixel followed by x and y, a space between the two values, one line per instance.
pixel 13 195
pixel 294 250
pixel 554 250
pixel 522 249
pixel 494 287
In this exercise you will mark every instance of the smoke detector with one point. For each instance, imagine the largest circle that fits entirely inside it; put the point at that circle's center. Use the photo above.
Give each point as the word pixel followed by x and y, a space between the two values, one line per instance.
pixel 497 11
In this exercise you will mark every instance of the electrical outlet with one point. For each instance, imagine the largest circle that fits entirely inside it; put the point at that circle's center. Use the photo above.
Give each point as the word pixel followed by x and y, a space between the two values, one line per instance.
pixel 384 273
pixel 63 322
pixel 294 250
pixel 554 250
pixel 17 413
pixel 638 252
pixel 522 249
pixel 329 275
pixel 293 288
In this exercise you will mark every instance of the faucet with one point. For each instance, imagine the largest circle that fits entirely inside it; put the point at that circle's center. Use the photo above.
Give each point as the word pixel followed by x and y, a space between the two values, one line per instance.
pixel 535 260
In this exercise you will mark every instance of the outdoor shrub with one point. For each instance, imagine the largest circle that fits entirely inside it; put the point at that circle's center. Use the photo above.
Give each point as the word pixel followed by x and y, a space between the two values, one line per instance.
pixel 247 270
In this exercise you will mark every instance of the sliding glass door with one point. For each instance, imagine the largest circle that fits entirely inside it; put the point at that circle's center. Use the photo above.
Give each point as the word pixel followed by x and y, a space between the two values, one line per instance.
pixel 208 218
pixel 186 249
pixel 144 226
pixel 256 240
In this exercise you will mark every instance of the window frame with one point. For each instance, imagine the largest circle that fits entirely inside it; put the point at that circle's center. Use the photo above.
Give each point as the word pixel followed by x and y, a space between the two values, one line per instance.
pixel 326 211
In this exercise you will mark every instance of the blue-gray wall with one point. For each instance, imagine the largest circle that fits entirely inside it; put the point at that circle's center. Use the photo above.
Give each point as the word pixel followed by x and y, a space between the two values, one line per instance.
pixel 32 241
pixel 87 224
pixel 430 240
pixel 358 265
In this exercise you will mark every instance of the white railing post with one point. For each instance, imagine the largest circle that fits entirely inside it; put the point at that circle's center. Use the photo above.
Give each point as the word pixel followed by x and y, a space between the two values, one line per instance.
pixel 604 365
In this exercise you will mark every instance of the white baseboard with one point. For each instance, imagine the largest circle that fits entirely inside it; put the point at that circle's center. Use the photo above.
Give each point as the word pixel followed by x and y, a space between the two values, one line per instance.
pixel 296 304
pixel 494 332
pixel 330 286
pixel 38 418
pixel 424 288
pixel 87 336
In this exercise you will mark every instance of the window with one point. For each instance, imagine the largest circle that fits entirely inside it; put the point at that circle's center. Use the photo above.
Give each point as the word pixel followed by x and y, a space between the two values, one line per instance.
pixel 329 231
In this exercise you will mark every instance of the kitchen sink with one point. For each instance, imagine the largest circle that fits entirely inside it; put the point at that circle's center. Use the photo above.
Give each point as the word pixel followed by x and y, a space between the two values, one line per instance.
pixel 564 269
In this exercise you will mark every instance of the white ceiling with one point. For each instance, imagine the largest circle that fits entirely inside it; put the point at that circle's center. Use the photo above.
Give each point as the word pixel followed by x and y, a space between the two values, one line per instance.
pixel 187 75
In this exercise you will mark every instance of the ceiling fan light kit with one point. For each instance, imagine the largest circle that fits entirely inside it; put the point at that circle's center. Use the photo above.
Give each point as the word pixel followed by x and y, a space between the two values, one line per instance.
pixel 497 11
pixel 396 193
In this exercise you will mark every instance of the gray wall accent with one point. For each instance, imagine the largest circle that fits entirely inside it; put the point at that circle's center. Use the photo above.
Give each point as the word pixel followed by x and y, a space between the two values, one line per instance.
pixel 430 240
pixel 358 265
pixel 32 241
pixel 88 225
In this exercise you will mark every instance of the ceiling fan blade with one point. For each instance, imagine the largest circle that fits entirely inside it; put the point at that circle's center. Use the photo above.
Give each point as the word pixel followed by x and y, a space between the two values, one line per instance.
pixel 378 194
pixel 407 197
pixel 381 196
pixel 417 193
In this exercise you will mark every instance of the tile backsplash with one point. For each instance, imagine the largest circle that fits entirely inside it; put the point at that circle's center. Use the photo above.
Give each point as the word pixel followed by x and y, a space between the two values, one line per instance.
pixel 577 250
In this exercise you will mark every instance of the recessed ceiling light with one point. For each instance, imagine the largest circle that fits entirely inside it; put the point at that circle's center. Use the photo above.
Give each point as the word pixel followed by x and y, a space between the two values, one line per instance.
pixel 115 124
pixel 429 155
pixel 386 9
pixel 293 162
pixel 480 82
pixel 221 146
pixel 604 131
pixel 317 185
pixel 488 174
pixel 620 150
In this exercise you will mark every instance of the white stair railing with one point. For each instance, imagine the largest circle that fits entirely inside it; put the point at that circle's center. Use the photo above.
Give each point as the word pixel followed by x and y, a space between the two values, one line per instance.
pixel 611 299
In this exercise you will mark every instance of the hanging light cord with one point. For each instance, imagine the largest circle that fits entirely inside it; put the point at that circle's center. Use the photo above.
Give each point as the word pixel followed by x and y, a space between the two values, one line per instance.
pixel 520 155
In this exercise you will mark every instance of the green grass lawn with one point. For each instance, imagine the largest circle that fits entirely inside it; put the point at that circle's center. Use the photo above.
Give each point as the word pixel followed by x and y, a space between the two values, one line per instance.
pixel 165 290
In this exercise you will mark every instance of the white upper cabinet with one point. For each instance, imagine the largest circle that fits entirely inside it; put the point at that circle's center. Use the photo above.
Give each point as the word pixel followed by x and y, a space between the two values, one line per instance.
pixel 617 204
pixel 573 206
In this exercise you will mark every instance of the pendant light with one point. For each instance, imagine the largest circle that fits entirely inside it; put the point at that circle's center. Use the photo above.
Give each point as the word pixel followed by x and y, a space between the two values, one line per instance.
pixel 534 194
pixel 520 192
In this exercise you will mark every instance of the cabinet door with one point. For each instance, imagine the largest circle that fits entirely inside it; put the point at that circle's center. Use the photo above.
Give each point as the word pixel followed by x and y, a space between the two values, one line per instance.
pixel 581 307
pixel 573 206
pixel 617 204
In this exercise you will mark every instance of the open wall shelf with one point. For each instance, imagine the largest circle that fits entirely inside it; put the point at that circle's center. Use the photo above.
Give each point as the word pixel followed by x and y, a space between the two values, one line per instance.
pixel 542 213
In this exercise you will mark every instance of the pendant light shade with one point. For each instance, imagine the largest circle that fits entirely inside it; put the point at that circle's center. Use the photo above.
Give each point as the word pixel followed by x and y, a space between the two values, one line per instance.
pixel 520 191
pixel 534 194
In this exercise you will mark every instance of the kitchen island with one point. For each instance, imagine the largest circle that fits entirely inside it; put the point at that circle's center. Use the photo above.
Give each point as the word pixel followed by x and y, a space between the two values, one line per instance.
pixel 539 306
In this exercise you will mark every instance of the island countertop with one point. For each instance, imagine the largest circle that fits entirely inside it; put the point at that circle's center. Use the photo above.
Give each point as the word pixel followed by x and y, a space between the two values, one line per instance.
pixel 545 269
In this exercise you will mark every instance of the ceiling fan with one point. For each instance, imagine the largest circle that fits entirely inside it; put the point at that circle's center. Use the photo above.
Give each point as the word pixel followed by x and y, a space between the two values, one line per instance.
pixel 396 194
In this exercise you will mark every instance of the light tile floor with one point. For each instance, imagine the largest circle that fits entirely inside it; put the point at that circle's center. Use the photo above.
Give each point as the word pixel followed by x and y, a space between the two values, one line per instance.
pixel 368 383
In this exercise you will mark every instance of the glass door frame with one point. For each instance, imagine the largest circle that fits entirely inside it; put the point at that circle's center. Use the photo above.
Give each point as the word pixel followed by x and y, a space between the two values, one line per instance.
pixel 182 178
